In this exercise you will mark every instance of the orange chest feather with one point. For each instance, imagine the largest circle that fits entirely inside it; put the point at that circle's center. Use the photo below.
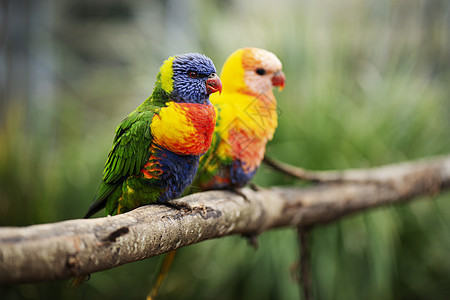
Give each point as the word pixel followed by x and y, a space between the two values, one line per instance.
pixel 184 128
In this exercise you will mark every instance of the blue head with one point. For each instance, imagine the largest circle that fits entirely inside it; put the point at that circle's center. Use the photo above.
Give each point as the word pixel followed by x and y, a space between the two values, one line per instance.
pixel 189 78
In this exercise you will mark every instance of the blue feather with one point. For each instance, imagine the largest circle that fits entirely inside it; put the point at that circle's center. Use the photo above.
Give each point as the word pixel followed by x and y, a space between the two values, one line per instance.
pixel 185 88
pixel 178 173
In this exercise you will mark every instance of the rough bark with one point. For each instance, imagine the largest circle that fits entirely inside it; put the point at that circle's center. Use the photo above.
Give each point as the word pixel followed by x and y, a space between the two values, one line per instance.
pixel 75 247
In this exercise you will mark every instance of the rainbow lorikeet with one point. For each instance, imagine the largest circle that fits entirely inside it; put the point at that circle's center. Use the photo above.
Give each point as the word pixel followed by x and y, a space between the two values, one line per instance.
pixel 156 150
pixel 246 120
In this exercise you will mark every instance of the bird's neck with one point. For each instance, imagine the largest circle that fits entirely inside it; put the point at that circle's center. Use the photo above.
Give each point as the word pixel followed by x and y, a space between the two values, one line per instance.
pixel 204 99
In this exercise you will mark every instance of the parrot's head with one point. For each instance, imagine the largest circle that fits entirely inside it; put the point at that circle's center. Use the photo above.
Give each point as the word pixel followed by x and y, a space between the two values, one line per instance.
pixel 189 78
pixel 253 70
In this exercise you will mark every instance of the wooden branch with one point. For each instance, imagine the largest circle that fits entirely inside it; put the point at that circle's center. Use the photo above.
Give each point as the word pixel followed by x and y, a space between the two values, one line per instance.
pixel 65 249
pixel 314 176
pixel 339 176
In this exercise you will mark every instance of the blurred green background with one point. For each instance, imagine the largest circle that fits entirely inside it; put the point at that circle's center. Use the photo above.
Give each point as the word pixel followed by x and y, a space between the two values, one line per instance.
pixel 368 83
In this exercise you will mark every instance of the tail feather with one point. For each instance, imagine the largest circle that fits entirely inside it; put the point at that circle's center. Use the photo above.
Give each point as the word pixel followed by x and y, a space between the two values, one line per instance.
pixel 167 262
pixel 76 282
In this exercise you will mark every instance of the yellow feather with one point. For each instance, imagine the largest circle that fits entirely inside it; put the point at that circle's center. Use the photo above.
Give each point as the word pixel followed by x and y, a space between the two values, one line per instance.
pixel 167 74
pixel 172 125
pixel 243 112
pixel 239 110
pixel 232 75
pixel 183 127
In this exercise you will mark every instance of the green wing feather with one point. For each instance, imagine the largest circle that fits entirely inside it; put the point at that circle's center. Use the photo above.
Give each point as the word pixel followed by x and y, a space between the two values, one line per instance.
pixel 129 153
pixel 130 147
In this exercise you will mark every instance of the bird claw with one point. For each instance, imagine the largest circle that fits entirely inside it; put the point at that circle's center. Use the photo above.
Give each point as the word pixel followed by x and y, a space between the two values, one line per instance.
pixel 186 208
pixel 200 209
pixel 182 206
pixel 254 187
pixel 239 192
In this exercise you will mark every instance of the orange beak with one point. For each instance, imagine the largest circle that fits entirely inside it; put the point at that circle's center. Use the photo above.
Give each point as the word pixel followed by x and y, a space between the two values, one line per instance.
pixel 213 84
pixel 279 80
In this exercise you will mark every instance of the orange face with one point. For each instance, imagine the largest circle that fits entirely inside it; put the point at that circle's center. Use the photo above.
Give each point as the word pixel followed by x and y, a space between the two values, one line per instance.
pixel 262 70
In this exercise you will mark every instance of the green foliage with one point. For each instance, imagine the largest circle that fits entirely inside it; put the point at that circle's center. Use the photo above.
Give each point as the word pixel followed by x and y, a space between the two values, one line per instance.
pixel 367 84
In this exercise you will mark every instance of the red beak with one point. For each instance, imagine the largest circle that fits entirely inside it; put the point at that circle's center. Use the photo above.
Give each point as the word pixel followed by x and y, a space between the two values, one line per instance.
pixel 279 80
pixel 213 84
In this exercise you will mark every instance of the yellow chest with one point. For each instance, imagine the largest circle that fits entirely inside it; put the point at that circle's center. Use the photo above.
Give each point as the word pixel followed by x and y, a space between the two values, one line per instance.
pixel 184 128
pixel 245 127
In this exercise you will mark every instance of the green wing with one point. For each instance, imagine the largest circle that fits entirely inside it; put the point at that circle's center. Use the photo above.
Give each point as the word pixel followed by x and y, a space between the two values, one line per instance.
pixel 129 153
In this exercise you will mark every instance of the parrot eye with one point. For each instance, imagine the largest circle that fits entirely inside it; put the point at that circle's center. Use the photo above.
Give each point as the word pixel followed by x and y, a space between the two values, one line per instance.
pixel 260 71
pixel 193 74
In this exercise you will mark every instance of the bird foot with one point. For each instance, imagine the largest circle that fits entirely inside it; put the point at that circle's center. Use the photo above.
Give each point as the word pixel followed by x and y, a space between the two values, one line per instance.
pixel 186 208
pixel 239 192
pixel 200 209
pixel 182 206
pixel 254 187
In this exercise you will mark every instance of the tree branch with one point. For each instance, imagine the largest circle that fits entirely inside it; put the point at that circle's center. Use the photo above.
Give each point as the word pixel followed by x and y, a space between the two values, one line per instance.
pixel 75 247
